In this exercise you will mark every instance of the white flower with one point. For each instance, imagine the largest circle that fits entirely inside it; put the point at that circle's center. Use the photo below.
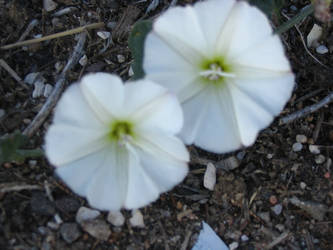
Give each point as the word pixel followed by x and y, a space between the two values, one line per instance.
pixel 226 67
pixel 115 143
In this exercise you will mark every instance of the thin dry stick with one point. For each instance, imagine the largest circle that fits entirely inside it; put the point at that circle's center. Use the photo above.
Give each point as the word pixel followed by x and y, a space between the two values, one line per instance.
pixel 53 36
pixel 278 240
pixel 13 74
pixel 307 110
pixel 304 44
pixel 57 90
pixel 16 187
pixel 31 25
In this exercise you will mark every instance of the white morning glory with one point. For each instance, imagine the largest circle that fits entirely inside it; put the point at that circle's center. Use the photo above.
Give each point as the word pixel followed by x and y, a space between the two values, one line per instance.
pixel 226 67
pixel 115 144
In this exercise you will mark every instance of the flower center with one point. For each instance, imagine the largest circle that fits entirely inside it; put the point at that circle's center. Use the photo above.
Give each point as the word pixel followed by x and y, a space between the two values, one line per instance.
pixel 215 72
pixel 121 132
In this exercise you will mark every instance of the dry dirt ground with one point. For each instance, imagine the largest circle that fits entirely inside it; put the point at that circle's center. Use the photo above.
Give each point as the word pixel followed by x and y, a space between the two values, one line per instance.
pixel 272 195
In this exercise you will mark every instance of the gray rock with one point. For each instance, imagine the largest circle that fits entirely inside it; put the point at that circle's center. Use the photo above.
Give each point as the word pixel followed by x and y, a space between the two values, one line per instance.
pixel 320 159
pixel 301 138
pixel 277 209
pixel 98 229
pixel 86 214
pixel 314 149
pixel 265 216
pixel 70 232
pixel 322 49
pixel 40 205
pixel 116 218
pixel 67 204
pixel 39 88
pixel 137 219
pixel 2 113
pixel 297 147
pixel 47 90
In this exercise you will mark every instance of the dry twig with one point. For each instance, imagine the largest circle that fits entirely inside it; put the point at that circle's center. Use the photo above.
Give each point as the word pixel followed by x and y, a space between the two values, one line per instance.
pixel 13 74
pixel 57 90
pixel 53 36
pixel 307 110
pixel 16 187
pixel 31 25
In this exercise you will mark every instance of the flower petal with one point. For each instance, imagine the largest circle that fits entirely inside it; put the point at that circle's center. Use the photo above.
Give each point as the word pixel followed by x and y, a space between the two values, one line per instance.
pixel 66 143
pixel 108 187
pixel 159 163
pixel 180 28
pixel 245 27
pixel 78 174
pixel 213 15
pixel 104 93
pixel 159 69
pixel 216 128
pixel 267 55
pixel 152 106
pixel 73 109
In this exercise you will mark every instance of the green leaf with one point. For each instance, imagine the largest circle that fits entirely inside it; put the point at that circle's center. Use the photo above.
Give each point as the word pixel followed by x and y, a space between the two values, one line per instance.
pixel 10 149
pixel 136 45
pixel 306 11
pixel 271 8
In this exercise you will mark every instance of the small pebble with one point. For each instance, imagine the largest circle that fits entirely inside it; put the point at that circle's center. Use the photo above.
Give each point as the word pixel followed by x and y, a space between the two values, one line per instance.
pixel 49 5
pixel 314 149
pixel 322 49
pixel 39 88
pixel 32 163
pixel 99 229
pixel 327 175
pixel 47 90
pixel 302 185
pixel 116 218
pixel 2 113
pixel 53 225
pixel 137 219
pixel 85 214
pixel 240 155
pixel 244 238
pixel 280 227
pixel 269 156
pixel 121 58
pixel 210 177
pixel 265 216
pixel 31 77
pixel 41 205
pixel 70 232
pixel 234 245
pixel 83 60
pixel 111 25
pixel 301 138
pixel 130 72
pixel 320 159
pixel 277 209
pixel 104 34
pixel 297 147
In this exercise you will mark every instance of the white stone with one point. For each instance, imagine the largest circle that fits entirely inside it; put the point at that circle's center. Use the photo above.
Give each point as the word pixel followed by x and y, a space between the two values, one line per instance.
pixel 137 219
pixel 210 177
pixel 277 209
pixel 302 185
pixel 104 34
pixel 297 147
pixel 314 35
pixel 314 149
pixel 244 237
pixel 121 58
pixel 31 77
pixel 322 49
pixel 48 90
pixel 85 214
pixel 301 138
pixel 49 5
pixel 39 88
pixel 234 245
pixel 130 72
pixel 83 60
pixel 116 218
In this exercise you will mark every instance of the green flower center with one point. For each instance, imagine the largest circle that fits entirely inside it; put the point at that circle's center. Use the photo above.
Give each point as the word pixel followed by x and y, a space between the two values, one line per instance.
pixel 121 131
pixel 215 71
